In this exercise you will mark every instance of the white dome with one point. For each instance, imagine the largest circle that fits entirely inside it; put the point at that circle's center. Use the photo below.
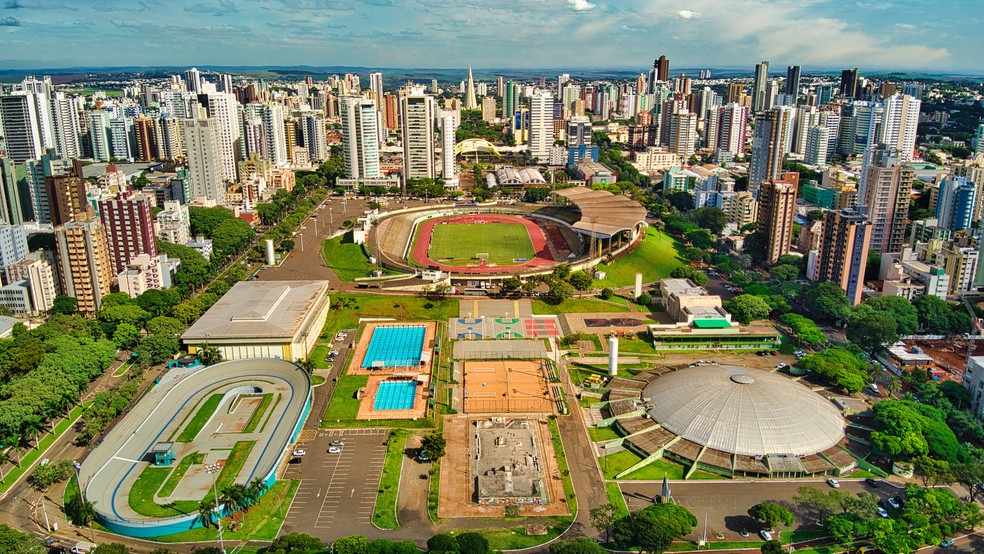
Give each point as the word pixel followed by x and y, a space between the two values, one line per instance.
pixel 746 412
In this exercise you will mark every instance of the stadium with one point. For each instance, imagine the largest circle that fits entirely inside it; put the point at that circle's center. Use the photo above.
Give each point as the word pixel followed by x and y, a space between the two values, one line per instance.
pixel 147 477
pixel 495 240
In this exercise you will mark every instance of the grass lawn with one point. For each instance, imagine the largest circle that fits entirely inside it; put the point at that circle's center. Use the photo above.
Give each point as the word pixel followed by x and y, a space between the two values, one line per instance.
pixel 346 309
pixel 635 346
pixel 384 515
pixel 205 411
pixel 655 258
pixel 343 405
pixel 516 538
pixel 318 356
pixel 613 464
pixel 257 415
pixel 179 472
pixel 12 473
pixel 577 305
pixel 599 434
pixel 262 522
pixel 122 370
pixel 141 497
pixel 234 464
pixel 346 259
pixel 317 380
pixel 616 499
pixel 562 466
pixel 434 491
pixel 459 243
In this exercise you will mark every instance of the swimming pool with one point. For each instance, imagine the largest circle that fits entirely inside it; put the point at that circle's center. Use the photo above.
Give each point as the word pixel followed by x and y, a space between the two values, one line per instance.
pixel 395 347
pixel 395 395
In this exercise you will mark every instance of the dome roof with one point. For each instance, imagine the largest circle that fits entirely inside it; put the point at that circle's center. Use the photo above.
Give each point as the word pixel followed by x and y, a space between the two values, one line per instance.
pixel 747 412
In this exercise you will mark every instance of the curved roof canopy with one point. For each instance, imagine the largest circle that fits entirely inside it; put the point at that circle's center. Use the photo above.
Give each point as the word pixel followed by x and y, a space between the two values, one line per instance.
pixel 603 214
pixel 745 412
pixel 476 145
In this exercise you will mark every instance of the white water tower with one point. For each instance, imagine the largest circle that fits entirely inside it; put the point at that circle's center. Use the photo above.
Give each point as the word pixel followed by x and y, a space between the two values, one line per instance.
pixel 269 252
pixel 613 355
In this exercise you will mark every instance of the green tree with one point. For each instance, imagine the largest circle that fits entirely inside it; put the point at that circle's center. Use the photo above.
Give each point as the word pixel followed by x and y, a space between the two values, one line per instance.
pixel 772 547
pixel 652 529
pixel 164 324
pixel 126 335
pixel 47 475
pixel 784 272
pixel 968 474
pixel 815 499
pixel 644 299
pixel 580 280
pixel 712 219
pixel 111 548
pixel 804 330
pixel 606 293
pixel 602 519
pixel 209 355
pixel 771 514
pixel 933 472
pixel 511 284
pixel 63 304
pixel 157 349
pixel 231 236
pixel 473 543
pixel 443 542
pixel 933 313
pixel 80 511
pixel 872 332
pixel 700 238
pixel 206 511
pixel 747 308
pixel 434 443
pixel 580 545
pixel 536 194
pixel 682 201
pixel 698 277
pixel 13 541
pixel 694 254
pixel 354 544
pixel 204 221
pixel 895 308
pixel 158 302
pixel 559 291
pixel 826 301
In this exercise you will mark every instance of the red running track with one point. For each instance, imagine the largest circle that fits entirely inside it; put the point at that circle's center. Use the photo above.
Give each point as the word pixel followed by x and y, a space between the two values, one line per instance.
pixel 426 232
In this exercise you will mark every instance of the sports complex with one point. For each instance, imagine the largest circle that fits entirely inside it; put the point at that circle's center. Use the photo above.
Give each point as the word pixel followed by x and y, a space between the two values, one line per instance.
pixel 237 419
pixel 495 240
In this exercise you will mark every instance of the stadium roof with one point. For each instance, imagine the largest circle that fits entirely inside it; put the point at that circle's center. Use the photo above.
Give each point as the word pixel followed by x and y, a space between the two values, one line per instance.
pixel 259 309
pixel 603 213
pixel 745 412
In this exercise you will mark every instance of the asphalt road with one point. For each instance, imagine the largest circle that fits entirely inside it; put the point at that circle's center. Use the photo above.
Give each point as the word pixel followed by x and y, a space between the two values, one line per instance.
pixel 725 504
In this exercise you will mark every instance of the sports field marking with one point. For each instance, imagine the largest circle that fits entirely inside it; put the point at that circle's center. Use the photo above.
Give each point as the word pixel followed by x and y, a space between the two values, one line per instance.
pixel 459 243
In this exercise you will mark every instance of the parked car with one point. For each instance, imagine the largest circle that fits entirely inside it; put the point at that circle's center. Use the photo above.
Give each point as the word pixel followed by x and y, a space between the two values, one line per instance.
pixel 300 452
pixel 947 543
pixel 833 483
pixel 334 450
pixel 766 536
pixel 336 443
pixel 894 503
pixel 294 460
pixel 422 456
pixel 882 512
pixel 873 483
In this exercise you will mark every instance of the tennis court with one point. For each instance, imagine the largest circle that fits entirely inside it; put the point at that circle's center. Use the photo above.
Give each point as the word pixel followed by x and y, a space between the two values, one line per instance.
pixel 506 386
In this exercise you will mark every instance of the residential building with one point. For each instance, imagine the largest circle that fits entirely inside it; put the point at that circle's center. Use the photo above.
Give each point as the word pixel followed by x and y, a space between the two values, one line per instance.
pixel 776 212
pixel 676 179
pixel 129 224
pixel 13 245
pixel 886 186
pixel 759 87
pixel 727 127
pixel 956 200
pixel 488 109
pixel 682 133
pixel 579 145
pixel 21 127
pixel 202 139
pixel 11 206
pixel 417 112
pixel 66 195
pixel 202 245
pixel 360 146
pixel 900 269
pixel 40 277
pixel 768 146
pixel 16 297
pixel 223 107
pixel 793 80
pixel 541 125
pixel 843 252
pixel 448 165
pixel 146 272
pixel 84 264
pixel 900 120
pixel 817 141
pixel 314 137
pixel 849 83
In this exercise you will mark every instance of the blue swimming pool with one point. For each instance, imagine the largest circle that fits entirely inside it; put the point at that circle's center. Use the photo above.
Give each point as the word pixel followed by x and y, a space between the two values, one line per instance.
pixel 395 347
pixel 395 395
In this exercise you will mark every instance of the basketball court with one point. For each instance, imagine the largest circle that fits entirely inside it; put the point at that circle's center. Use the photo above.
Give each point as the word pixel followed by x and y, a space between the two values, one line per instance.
pixel 506 386
pixel 500 319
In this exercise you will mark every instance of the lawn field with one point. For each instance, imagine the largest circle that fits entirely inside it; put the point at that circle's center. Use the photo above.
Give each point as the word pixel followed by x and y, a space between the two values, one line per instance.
pixel 655 258
pixel 346 259
pixel 458 243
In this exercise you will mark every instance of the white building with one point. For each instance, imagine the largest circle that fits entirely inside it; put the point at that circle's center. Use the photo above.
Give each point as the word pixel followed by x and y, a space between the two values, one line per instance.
pixel 39 275
pixel 174 223
pixel 900 120
pixel 202 245
pixel 815 152
pixel 223 107
pixel 360 143
pixel 21 127
pixel 146 272
pixel 541 125
pixel 313 135
pixel 417 114
pixel 447 152
pixel 973 380
pixel 13 245
pixel 202 139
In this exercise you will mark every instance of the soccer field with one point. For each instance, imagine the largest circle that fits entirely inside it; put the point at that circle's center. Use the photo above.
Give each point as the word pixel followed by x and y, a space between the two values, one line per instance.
pixel 459 243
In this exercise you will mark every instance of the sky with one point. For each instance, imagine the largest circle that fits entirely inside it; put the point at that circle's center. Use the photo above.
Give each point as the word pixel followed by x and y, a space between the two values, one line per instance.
pixel 819 34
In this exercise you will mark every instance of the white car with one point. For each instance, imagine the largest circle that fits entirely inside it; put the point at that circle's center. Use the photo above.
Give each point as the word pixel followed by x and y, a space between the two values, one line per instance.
pixel 833 483
pixel 882 512
pixel 334 450
pixel 893 503
pixel 766 536
pixel 300 452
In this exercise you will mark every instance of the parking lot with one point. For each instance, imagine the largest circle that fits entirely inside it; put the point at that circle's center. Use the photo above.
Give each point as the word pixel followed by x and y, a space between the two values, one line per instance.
pixel 338 491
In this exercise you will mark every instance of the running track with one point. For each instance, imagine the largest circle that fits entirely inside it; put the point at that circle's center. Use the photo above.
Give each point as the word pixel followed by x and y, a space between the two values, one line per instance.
pixel 426 232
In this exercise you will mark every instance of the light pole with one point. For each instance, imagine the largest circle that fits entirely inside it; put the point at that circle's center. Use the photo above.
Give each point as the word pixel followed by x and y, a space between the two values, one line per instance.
pixel 212 469
pixel 331 220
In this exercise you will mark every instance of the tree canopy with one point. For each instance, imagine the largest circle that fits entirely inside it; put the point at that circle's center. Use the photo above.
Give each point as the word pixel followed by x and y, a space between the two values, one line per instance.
pixel 747 308
pixel 838 366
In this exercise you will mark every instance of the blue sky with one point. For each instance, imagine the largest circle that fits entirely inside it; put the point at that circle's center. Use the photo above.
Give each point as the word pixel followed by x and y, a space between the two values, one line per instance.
pixel 871 34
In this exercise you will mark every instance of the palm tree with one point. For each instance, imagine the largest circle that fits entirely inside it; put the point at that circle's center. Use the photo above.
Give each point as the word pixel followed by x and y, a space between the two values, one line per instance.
pixel 254 490
pixel 209 355
pixel 307 364
pixel 234 498
pixel 82 512
pixel 206 508
pixel 893 384
pixel 34 426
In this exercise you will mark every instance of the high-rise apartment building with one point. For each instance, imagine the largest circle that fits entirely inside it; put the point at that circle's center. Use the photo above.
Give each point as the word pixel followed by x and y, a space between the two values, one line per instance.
pixel 65 193
pixel 900 120
pixel 223 107
pixel 849 83
pixel 313 134
pixel 42 285
pixel 448 173
pixel 13 245
pixel 67 126
pixel 793 80
pixel 844 251
pixel 727 128
pixel 21 127
pixel 661 68
pixel 956 199
pixel 100 135
pixel 682 133
pixel 143 128
pixel 768 146
pixel 84 267
pixel 417 112
pixel 193 80
pixel 360 144
pixel 884 190
pixel 11 206
pixel 817 140
pixel 202 139
pixel 760 87
pixel 776 212
pixel 510 101
pixel 129 224
pixel 541 125
pixel 488 109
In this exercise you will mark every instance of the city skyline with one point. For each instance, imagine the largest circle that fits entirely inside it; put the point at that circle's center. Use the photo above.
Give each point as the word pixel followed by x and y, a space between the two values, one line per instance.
pixel 385 33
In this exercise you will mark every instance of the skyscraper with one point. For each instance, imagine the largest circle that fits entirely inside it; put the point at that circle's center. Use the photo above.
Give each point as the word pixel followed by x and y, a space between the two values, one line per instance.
pixel 313 134
pixel 447 152
pixel 206 167
pixel 376 86
pixel 768 147
pixel 223 107
pixel 849 83
pixel 900 121
pixel 21 127
pixel 731 122
pixel 65 193
pixel 793 80
pixel 84 267
pixel 760 87
pixel 193 80
pixel 884 189
pixel 100 135
pixel 662 67
pixel 955 203
pixel 11 207
pixel 417 112
pixel 360 144
pixel 67 126
pixel 143 128
pixel 682 133
pixel 817 141
pixel 844 251
pixel 129 223
pixel 776 212
pixel 541 125
pixel 470 103
pixel 509 100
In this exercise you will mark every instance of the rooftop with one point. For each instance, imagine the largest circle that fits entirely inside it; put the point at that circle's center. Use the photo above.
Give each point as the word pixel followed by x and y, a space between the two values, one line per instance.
pixel 603 213
pixel 259 309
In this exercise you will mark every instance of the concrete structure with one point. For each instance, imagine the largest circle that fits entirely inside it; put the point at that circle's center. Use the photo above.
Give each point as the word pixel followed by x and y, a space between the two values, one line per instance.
pixel 904 275
pixel 776 214
pixel 84 264
pixel 417 113
pixel 173 223
pixel 21 126
pixel 145 272
pixel 613 355
pixel 129 223
pixel 594 173
pixel 637 291
pixel 13 245
pixel 885 188
pixel 759 85
pixel 274 319
pixel 843 252
pixel 270 259
pixel 768 146
pixel 202 245
pixel 448 165
pixel 360 144
pixel 955 203
pixel 541 125
pixel 684 301
pixel 973 381
pixel 40 277
pixel 202 139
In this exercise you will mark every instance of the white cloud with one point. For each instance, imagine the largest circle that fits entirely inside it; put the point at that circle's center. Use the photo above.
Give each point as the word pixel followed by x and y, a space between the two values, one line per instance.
pixel 687 14
pixel 581 5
